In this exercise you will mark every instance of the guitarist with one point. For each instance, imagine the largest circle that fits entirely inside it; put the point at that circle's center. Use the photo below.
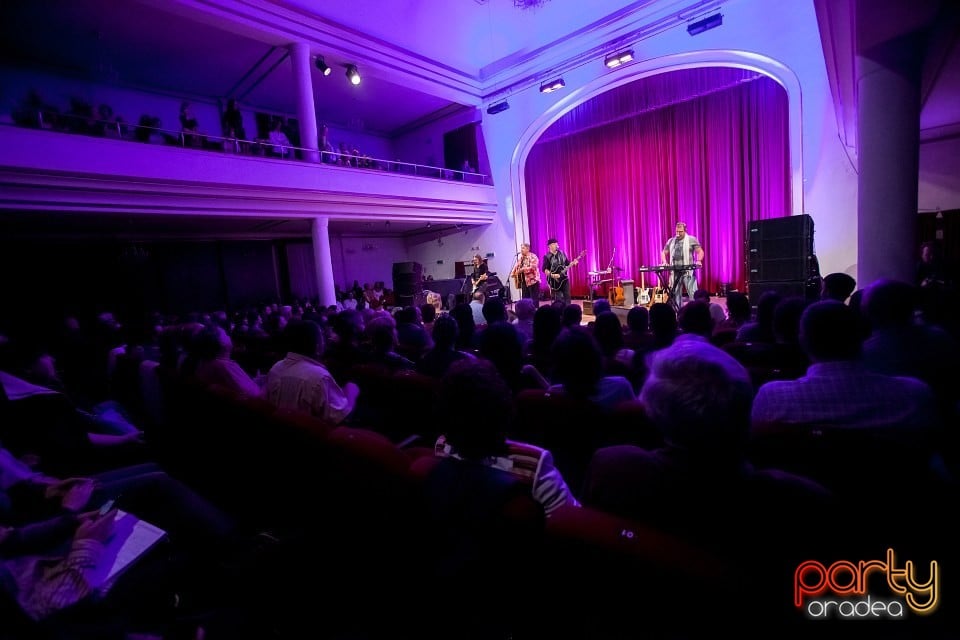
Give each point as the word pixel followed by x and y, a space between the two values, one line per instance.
pixel 479 275
pixel 526 273
pixel 555 265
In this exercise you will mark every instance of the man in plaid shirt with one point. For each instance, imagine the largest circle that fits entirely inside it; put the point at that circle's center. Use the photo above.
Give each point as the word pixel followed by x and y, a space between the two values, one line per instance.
pixel 838 389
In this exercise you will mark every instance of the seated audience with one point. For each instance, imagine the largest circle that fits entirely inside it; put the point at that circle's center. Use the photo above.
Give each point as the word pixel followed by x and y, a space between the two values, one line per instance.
pixel 382 335
pixel 428 315
pixel 837 286
pixel 572 315
pixel 344 350
pixel 663 325
pixel 762 329
pixel 638 335
pixel 525 308
pixel 608 332
pixel 501 344
pixel 738 312
pixel 413 340
pixel 547 325
pixel 900 345
pixel 213 348
pixel 699 397
pixel 478 437
pixel 695 321
pixel 476 307
pixel 716 311
pixel 838 389
pixel 437 360
pixel 494 311
pixel 578 371
pixel 51 536
pixel 300 383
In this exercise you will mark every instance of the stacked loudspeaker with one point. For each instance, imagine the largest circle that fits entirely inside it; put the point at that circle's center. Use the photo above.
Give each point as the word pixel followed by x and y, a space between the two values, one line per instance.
pixel 780 256
pixel 408 284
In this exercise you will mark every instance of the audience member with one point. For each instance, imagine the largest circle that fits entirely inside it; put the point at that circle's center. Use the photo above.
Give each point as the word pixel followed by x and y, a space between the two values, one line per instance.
pixel 382 335
pixel 213 347
pixel 479 437
pixel 716 311
pixel 189 125
pixel 476 308
pixel 902 346
pixel 233 121
pixel 281 144
pixel 437 360
pixel 699 397
pixel 762 329
pixel 578 371
pixel 838 389
pixel 837 286
pixel 525 308
pixel 300 383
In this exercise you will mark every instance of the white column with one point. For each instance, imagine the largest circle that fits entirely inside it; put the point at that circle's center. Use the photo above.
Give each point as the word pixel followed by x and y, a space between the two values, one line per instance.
pixel 888 136
pixel 303 91
pixel 323 260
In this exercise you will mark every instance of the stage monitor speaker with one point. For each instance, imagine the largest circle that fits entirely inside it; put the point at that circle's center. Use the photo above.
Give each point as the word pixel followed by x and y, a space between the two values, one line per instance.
pixel 780 249
pixel 629 294
pixel 407 267
pixel 407 281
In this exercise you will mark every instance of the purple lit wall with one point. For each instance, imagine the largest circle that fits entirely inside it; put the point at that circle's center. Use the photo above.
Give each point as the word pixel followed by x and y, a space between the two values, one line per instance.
pixel 707 146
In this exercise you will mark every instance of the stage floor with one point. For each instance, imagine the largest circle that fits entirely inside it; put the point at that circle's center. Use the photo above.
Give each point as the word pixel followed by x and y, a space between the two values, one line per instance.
pixel 622 311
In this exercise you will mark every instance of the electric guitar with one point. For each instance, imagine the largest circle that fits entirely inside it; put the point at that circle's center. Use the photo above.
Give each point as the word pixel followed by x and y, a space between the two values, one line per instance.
pixel 556 283
pixel 644 298
pixel 478 283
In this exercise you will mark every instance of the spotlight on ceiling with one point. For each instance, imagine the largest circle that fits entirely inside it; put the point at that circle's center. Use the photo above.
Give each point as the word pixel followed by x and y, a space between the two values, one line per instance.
pixel 324 69
pixel 619 58
pixel 706 24
pixel 353 74
pixel 498 107
pixel 553 85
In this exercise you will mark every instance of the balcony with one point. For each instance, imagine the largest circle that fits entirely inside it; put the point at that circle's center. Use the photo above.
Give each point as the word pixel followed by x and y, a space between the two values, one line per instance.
pixel 50 170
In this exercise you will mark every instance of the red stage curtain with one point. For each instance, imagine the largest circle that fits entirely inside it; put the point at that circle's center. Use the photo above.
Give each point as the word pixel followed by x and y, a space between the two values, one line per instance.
pixel 708 147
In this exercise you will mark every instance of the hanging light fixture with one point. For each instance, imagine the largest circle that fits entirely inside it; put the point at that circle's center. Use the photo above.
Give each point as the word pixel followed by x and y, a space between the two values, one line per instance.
pixel 324 68
pixel 353 74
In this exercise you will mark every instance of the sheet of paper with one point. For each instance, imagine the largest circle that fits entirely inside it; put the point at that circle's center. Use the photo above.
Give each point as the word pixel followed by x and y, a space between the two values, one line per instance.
pixel 132 537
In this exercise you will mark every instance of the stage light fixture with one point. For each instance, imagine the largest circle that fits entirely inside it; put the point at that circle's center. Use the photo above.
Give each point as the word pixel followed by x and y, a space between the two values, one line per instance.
pixel 324 69
pixel 498 107
pixel 353 74
pixel 553 85
pixel 706 24
pixel 619 58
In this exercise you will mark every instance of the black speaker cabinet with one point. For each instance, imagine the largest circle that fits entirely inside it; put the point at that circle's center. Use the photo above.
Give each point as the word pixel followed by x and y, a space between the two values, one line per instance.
pixel 407 279
pixel 780 249
pixel 629 294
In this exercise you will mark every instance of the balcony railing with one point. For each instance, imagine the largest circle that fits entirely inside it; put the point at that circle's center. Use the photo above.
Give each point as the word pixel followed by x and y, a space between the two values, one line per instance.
pixel 118 130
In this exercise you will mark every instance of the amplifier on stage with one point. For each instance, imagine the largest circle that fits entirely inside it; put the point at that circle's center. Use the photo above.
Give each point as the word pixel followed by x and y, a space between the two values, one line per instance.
pixel 629 294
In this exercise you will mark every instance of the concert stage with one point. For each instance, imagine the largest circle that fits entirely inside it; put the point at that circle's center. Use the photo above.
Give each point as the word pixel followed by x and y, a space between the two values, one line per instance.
pixel 623 311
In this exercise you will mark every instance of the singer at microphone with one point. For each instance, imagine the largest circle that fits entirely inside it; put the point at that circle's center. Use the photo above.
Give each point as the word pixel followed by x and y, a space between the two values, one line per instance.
pixel 526 273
